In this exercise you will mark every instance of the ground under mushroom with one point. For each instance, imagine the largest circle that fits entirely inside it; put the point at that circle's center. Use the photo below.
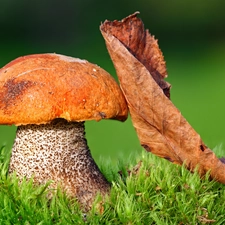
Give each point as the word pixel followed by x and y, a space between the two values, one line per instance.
pixel 58 151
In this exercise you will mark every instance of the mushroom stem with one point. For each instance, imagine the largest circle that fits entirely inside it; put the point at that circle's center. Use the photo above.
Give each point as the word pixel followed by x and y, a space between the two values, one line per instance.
pixel 58 151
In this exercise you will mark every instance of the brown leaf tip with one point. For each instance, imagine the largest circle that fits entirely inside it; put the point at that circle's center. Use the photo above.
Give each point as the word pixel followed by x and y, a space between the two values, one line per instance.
pixel 104 25
pixel 141 44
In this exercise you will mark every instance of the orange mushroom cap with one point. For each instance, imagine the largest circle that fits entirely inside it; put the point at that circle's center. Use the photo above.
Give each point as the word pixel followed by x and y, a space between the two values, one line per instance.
pixel 37 89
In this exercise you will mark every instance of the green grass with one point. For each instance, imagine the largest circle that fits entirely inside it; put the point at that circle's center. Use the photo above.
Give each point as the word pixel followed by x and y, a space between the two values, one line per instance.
pixel 145 190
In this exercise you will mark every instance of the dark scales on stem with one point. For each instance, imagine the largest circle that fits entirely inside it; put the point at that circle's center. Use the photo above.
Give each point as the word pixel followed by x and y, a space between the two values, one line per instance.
pixel 58 151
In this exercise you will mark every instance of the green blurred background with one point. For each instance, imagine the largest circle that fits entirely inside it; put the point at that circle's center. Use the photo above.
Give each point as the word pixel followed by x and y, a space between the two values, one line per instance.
pixel 191 35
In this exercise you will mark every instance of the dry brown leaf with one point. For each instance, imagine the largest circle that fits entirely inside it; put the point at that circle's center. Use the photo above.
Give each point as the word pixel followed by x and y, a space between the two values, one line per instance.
pixel 160 126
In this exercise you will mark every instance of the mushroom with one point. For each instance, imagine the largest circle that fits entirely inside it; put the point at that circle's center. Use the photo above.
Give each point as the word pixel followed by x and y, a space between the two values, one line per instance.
pixel 49 96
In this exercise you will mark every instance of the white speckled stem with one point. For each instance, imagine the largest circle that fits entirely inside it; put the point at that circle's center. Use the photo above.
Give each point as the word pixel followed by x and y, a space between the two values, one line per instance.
pixel 58 151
